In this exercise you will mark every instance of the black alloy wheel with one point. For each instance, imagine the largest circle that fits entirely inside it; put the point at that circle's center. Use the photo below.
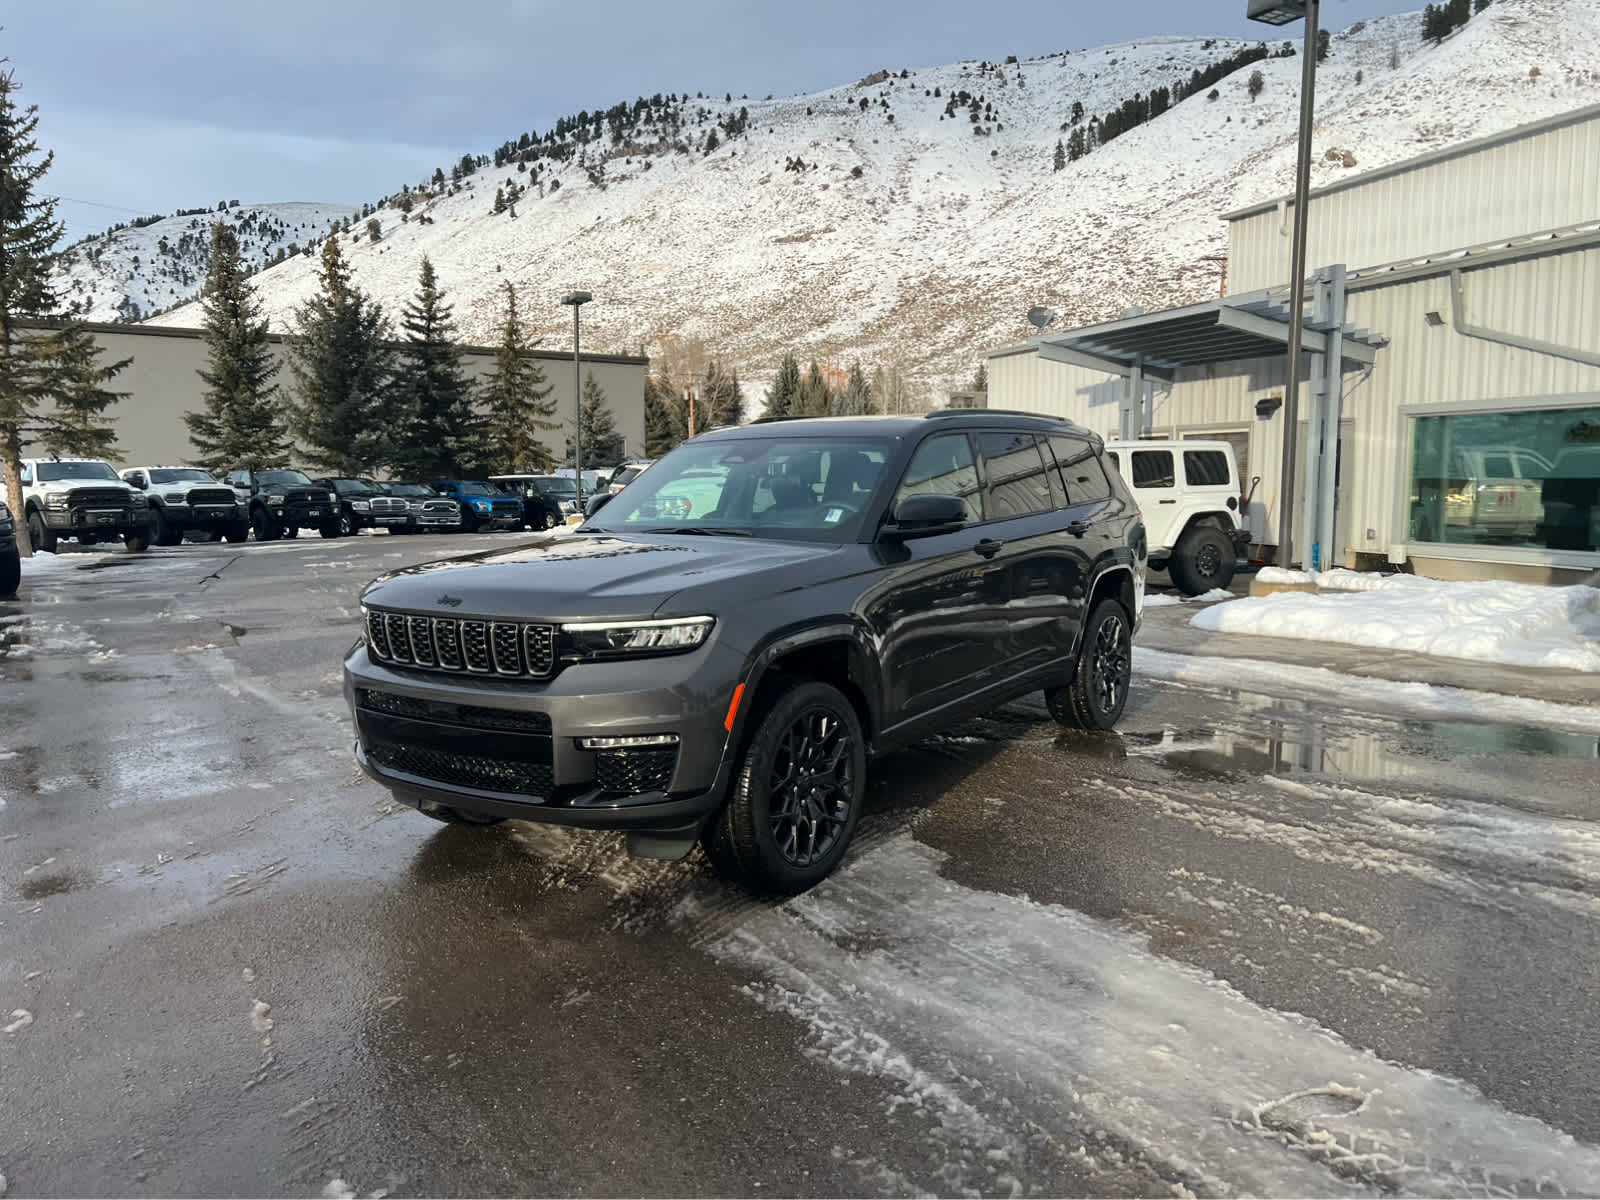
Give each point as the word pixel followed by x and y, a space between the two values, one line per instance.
pixel 1099 689
pixel 347 524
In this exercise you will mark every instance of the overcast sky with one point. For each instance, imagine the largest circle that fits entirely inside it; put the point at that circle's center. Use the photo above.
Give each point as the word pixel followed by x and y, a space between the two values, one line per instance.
pixel 154 105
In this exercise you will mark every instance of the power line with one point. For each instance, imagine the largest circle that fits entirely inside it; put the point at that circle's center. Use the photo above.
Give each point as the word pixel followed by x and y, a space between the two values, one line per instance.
pixel 96 204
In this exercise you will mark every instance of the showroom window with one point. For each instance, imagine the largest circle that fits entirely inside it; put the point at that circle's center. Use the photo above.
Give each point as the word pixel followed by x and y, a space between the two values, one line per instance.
pixel 1528 478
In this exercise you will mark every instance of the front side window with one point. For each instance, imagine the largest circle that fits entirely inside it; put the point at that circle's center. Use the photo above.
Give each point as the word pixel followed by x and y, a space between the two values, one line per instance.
pixel 50 471
pixel 1529 479
pixel 802 488
pixel 1015 475
pixel 944 466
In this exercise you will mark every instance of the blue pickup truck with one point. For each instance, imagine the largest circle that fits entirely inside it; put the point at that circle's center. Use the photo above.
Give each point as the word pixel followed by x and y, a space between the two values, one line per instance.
pixel 484 505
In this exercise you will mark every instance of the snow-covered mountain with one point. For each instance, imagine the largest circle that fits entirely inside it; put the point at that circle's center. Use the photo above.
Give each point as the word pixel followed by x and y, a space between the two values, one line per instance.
pixel 913 217
pixel 156 263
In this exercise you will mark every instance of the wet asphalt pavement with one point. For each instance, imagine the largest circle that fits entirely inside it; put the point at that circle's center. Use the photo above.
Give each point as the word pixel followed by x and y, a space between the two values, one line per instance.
pixel 1055 964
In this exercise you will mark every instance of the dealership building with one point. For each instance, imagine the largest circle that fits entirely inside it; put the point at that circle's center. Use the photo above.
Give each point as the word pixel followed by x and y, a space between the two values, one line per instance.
pixel 162 383
pixel 1450 403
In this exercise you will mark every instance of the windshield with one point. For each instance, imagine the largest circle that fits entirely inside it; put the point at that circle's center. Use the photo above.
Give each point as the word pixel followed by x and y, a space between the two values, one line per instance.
pixel 282 478
pixel 353 487
pixel 793 488
pixel 411 489
pixel 625 476
pixel 553 486
pixel 481 489
pixel 180 475
pixel 76 470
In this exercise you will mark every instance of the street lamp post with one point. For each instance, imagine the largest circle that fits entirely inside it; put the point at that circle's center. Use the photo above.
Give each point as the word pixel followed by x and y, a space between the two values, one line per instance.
pixel 577 300
pixel 1283 12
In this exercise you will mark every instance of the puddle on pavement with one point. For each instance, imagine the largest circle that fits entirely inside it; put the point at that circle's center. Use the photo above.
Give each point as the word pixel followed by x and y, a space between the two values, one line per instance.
pixel 1283 737
pixel 39 887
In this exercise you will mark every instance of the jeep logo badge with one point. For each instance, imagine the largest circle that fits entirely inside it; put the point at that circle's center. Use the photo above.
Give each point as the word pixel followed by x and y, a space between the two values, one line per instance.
pixel 449 601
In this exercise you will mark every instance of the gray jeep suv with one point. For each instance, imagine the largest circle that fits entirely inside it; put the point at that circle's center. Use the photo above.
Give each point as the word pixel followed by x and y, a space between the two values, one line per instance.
pixel 715 654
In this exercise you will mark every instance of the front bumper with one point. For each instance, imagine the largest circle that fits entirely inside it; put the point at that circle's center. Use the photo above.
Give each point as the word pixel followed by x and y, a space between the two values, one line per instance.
pixel 510 748
pixel 305 516
pixel 203 516
pixel 96 520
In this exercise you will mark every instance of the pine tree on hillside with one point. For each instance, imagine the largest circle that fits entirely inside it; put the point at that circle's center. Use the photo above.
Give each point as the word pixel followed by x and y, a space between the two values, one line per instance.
pixel 1258 84
pixel 854 399
pixel 240 425
pixel 517 400
pixel 658 432
pixel 52 384
pixel 723 397
pixel 785 390
pixel 1061 155
pixel 602 440
pixel 444 435
pixel 343 367
pixel 980 379
pixel 815 398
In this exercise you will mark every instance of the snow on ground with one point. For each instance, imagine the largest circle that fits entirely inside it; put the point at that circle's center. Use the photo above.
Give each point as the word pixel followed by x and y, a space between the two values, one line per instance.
pixel 1495 621
pixel 905 976
pixel 1361 693
pixel 923 239
pixel 42 565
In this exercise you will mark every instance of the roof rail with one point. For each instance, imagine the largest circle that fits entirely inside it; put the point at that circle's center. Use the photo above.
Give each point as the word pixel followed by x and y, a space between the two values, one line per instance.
pixel 993 412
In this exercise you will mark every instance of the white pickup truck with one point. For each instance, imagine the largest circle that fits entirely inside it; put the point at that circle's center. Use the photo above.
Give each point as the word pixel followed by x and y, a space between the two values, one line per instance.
pixel 1189 494
pixel 80 498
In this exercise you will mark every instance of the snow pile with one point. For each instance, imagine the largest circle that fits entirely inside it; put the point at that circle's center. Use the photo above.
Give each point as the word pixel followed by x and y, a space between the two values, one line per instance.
pixel 1494 622
pixel 865 221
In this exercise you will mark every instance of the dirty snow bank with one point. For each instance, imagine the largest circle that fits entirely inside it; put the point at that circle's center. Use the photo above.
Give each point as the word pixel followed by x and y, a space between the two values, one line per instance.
pixel 1515 624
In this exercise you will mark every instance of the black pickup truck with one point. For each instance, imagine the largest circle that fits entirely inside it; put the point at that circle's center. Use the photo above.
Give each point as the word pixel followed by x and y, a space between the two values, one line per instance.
pixel 282 502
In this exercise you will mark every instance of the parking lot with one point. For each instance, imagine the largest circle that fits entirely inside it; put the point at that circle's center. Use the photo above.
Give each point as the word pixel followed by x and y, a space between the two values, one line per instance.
pixel 1252 942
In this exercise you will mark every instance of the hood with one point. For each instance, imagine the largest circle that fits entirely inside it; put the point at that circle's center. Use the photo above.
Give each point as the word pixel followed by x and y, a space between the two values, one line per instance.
pixel 68 485
pixel 598 577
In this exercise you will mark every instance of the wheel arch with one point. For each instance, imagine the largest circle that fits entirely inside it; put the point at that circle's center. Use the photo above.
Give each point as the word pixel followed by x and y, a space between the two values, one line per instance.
pixel 831 654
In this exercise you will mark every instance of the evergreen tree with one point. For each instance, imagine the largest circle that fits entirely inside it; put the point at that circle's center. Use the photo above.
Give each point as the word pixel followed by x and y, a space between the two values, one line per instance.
pixel 815 398
pixel 602 440
pixel 854 399
pixel 52 384
pixel 658 432
pixel 1258 84
pixel 723 397
pixel 1061 155
pixel 980 380
pixel 785 390
pixel 343 368
pixel 517 400
pixel 444 436
pixel 1324 45
pixel 240 426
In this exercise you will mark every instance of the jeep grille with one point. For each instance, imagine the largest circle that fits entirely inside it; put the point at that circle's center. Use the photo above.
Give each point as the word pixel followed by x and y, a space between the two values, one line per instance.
pixel 462 645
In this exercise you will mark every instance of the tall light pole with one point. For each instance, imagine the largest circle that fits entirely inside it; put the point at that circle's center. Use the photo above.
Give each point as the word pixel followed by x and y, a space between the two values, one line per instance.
pixel 1284 12
pixel 577 300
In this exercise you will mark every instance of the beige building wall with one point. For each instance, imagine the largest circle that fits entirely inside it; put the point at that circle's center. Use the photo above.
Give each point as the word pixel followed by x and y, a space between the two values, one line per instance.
pixel 163 384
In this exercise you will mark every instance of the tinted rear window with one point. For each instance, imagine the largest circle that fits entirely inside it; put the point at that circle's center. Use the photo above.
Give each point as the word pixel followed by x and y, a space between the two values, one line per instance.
pixel 1153 469
pixel 1205 468
pixel 1080 471
pixel 1014 470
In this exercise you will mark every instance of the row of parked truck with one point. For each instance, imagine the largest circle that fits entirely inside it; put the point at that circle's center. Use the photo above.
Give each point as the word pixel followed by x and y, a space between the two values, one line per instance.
pixel 89 501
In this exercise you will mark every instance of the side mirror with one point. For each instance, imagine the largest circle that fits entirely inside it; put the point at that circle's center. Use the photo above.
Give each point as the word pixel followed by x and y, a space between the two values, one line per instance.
pixel 925 515
pixel 595 503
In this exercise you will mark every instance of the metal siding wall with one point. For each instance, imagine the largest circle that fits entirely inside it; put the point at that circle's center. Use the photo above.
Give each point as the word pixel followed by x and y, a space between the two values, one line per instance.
pixel 1032 384
pixel 1545 181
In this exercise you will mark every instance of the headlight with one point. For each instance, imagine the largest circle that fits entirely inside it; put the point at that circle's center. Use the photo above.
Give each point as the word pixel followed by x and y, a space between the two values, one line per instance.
pixel 481 505
pixel 139 501
pixel 56 500
pixel 5 513
pixel 176 498
pixel 278 499
pixel 332 498
pixel 361 505
pixel 620 639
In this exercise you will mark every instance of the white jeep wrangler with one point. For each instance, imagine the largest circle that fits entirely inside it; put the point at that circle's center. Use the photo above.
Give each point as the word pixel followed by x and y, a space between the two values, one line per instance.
pixel 1189 494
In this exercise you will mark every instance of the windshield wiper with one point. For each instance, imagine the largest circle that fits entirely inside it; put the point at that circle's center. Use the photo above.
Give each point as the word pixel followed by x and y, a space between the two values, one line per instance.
pixel 702 530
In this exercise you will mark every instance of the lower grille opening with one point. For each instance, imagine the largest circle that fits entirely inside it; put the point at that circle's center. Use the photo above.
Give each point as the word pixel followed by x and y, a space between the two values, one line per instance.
pixel 469 715
pixel 476 772
pixel 628 772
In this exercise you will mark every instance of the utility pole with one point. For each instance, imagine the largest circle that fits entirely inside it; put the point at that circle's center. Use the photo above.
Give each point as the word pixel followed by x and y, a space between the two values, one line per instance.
pixel 577 300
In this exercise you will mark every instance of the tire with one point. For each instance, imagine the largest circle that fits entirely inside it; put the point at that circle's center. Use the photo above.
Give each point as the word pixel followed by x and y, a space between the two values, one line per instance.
pixel 163 534
pixel 330 531
pixel 138 543
pixel 239 531
pixel 469 523
pixel 1099 689
pixel 809 744
pixel 541 522
pixel 1202 560
pixel 41 535
pixel 10 573
pixel 266 529
pixel 289 532
pixel 347 526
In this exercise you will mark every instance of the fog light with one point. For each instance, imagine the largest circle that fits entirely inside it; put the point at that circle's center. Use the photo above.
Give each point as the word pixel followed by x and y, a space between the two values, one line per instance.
pixel 622 743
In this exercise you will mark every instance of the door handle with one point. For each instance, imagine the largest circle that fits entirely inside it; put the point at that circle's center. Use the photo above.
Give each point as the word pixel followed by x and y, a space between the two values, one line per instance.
pixel 1168 502
pixel 988 547
pixel 1078 528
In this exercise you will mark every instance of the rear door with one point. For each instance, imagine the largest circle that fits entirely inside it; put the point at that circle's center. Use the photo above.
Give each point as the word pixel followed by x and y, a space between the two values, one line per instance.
pixel 933 609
